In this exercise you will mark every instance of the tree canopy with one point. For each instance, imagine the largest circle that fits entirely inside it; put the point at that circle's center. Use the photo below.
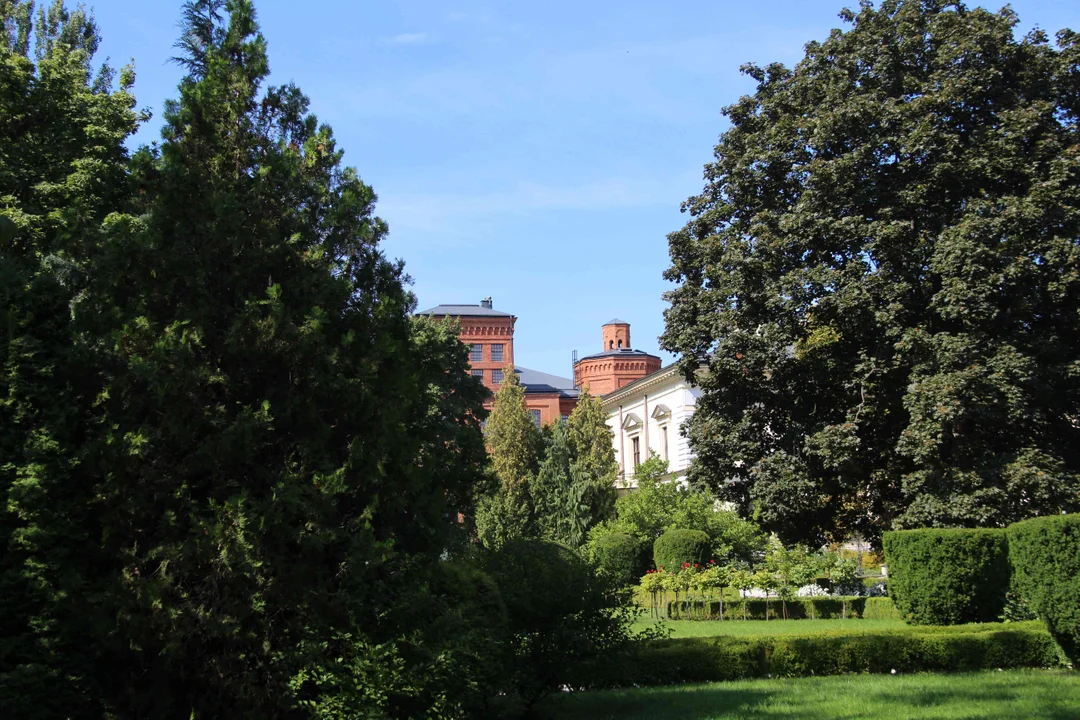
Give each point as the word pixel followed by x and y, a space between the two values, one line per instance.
pixel 882 276
pixel 232 460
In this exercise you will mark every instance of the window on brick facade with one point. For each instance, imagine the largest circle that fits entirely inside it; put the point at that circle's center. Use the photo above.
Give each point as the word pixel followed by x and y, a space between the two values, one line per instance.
pixel 536 417
pixel 496 376
pixel 496 352
pixel 477 354
pixel 478 374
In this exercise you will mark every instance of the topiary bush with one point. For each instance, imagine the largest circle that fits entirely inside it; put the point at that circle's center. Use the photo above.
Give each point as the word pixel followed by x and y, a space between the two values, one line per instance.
pixel 880 608
pixel 620 557
pixel 1045 556
pixel 676 547
pixel 948 576
pixel 908 649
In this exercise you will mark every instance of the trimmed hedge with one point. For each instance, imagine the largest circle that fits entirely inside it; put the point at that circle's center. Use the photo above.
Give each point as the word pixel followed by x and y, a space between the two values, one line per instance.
pixel 948 576
pixel 676 547
pixel 1045 555
pixel 621 557
pixel 880 608
pixel 911 649
pixel 825 608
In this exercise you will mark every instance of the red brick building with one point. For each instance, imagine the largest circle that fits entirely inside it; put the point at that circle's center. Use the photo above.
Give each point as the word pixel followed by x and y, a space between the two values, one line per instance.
pixel 489 334
pixel 616 365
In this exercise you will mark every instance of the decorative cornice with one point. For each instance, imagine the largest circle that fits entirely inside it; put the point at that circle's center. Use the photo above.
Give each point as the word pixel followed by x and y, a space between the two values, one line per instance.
pixel 614 397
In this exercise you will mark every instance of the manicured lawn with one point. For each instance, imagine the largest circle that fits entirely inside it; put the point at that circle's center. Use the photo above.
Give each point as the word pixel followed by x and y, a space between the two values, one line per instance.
pixel 1047 694
pixel 712 628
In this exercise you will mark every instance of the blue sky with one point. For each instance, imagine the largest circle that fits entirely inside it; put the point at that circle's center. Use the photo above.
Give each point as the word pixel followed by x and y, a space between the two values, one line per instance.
pixel 536 153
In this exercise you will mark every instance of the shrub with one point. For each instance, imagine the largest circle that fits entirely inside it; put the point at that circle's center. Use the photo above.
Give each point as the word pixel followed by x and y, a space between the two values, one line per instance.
pixel 910 649
pixel 825 608
pixel 948 577
pixel 676 547
pixel 620 557
pixel 563 622
pixel 1045 555
pixel 880 608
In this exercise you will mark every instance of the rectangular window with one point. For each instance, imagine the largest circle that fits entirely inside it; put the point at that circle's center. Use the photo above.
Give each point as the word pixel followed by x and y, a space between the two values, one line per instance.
pixel 496 352
pixel 478 374
pixel 496 376
pixel 637 451
pixel 536 418
pixel 564 418
pixel 477 354
pixel 663 438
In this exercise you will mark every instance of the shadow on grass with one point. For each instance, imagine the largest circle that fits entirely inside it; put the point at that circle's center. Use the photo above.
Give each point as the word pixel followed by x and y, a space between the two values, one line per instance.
pixel 843 698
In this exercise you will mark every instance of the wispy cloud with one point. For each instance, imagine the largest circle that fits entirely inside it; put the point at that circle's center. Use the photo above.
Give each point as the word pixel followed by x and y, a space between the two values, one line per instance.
pixel 409 38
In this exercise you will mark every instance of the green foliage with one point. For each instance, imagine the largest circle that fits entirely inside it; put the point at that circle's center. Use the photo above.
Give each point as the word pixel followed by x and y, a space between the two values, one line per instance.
pixel 880 608
pixel 620 557
pixel 200 509
pixel 568 500
pixel 509 510
pixel 798 608
pixel 658 506
pixel 63 171
pixel 564 623
pixel 948 577
pixel 906 650
pixel 881 280
pixel 1045 556
pixel 591 443
pixel 676 547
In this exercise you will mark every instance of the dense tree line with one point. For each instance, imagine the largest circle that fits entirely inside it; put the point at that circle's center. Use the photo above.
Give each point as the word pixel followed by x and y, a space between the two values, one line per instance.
pixel 882 278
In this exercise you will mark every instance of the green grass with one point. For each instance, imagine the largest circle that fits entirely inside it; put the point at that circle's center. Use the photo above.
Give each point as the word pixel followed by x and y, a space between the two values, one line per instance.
pixel 713 628
pixel 1047 694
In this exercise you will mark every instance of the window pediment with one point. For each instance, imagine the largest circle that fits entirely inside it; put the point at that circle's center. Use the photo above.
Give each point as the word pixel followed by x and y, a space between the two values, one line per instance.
pixel 661 412
pixel 631 422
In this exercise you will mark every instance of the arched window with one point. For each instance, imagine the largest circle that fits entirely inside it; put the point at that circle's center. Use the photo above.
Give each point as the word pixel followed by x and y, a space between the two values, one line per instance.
pixel 611 345
pixel 620 344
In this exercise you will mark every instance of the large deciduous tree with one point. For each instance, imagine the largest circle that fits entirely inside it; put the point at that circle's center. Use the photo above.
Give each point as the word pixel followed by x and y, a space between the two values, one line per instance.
pixel 62 172
pixel 882 275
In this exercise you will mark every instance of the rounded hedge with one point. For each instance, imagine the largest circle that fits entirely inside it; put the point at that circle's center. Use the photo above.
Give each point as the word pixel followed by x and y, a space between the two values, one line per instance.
pixel 948 576
pixel 676 547
pixel 621 557
pixel 1045 556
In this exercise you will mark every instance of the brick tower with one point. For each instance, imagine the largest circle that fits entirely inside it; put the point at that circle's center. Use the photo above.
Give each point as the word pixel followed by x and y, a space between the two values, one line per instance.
pixel 616 365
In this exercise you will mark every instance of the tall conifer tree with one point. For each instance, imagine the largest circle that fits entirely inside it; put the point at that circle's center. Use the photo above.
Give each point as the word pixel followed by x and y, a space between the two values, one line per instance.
pixel 513 442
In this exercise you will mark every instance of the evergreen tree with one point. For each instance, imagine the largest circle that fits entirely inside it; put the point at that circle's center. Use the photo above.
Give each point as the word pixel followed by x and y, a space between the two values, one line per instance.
pixel 591 440
pixel 593 456
pixel 561 494
pixel 62 172
pixel 513 441
pixel 882 277
pixel 237 512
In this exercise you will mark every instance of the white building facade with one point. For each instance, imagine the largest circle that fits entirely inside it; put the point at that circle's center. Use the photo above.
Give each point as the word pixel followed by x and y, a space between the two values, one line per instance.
pixel 646 419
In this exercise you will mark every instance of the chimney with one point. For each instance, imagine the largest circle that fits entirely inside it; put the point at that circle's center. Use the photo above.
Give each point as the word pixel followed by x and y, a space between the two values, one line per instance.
pixel 486 303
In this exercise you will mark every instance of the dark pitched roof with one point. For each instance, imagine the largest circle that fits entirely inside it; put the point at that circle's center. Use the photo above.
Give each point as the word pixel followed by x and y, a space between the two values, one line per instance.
pixel 616 321
pixel 619 352
pixel 464 311
pixel 535 381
